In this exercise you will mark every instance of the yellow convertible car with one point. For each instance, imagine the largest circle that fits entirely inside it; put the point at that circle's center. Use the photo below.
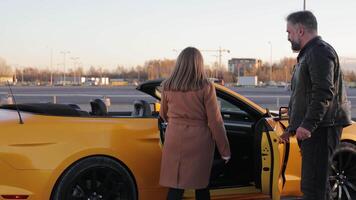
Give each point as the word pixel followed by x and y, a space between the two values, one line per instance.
pixel 60 152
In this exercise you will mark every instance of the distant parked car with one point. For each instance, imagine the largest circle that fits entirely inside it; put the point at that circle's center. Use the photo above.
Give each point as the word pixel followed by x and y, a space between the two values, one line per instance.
pixel 271 83
pixel 287 87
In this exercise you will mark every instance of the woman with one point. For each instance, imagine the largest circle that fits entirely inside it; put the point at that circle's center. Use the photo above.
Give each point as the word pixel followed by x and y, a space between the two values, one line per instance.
pixel 190 107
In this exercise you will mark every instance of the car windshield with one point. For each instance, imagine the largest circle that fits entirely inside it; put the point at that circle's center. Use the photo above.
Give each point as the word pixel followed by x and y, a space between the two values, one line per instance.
pixel 158 91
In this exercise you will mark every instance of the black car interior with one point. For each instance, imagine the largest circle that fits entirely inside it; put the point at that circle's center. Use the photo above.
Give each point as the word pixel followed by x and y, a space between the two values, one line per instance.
pixel 70 110
pixel 98 108
pixel 240 133
pixel 240 120
pixel 141 109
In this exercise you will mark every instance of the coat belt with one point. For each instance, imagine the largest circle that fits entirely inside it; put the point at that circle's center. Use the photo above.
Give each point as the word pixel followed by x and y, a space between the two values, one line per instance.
pixel 190 122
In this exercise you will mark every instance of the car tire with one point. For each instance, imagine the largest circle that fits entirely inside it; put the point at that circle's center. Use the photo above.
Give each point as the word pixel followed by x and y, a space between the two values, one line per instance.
pixel 95 178
pixel 342 176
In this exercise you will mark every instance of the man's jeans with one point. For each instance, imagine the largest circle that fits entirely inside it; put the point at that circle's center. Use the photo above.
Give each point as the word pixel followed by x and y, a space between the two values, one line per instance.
pixel 316 152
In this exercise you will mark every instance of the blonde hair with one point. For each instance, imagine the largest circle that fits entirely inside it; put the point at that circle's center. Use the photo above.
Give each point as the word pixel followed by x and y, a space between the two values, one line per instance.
pixel 188 73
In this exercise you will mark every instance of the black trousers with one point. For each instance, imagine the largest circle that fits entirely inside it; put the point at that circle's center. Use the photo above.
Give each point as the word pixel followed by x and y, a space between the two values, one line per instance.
pixel 316 152
pixel 177 194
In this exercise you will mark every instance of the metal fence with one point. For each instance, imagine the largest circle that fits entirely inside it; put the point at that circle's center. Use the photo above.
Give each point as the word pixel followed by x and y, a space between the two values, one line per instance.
pixel 275 102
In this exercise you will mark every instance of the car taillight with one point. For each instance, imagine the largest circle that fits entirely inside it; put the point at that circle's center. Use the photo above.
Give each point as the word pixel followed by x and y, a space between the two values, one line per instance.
pixel 14 196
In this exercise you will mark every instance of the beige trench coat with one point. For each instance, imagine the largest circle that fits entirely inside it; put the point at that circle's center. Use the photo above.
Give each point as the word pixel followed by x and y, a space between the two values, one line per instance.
pixel 194 126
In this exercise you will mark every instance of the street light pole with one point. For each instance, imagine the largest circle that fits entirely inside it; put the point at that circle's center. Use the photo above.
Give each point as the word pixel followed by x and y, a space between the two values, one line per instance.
pixel 216 64
pixel 51 67
pixel 75 61
pixel 270 59
pixel 22 76
pixel 219 57
pixel 304 4
pixel 64 65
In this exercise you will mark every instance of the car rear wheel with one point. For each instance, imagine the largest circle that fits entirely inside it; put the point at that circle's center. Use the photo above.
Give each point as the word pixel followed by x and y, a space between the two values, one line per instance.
pixel 342 177
pixel 95 178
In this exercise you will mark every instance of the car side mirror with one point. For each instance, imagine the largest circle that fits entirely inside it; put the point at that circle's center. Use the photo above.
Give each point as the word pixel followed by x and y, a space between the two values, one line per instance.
pixel 283 113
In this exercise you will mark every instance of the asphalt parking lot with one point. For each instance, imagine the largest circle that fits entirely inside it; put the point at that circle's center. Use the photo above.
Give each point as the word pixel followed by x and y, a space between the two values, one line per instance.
pixel 122 97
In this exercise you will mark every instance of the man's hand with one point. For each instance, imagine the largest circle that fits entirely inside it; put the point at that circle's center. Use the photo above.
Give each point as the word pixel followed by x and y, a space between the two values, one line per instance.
pixel 284 138
pixel 302 133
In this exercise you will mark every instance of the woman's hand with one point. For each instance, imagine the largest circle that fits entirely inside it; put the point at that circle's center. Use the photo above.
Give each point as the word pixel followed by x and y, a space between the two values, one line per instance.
pixel 226 159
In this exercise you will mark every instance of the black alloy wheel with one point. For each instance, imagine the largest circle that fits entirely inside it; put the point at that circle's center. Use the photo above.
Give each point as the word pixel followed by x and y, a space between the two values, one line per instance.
pixel 95 178
pixel 342 176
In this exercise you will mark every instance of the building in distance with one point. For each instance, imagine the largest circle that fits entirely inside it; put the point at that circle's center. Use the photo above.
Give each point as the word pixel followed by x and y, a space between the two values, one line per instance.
pixel 239 66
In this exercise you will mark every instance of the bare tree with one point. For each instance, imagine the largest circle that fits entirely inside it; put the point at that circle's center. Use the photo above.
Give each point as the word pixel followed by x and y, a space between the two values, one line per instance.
pixel 281 71
pixel 229 77
pixel 350 76
pixel 94 71
pixel 5 70
pixel 159 68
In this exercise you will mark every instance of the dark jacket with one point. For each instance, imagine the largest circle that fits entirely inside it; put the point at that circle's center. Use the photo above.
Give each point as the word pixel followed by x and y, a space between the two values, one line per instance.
pixel 318 93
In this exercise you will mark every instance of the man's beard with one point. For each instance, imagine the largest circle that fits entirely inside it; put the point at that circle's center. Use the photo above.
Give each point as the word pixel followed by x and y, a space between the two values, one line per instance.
pixel 296 46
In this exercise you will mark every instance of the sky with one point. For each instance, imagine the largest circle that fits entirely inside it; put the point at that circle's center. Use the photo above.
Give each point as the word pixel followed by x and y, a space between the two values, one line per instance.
pixel 108 33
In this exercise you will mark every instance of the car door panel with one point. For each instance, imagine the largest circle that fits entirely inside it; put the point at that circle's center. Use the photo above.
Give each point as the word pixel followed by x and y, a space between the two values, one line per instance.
pixel 273 156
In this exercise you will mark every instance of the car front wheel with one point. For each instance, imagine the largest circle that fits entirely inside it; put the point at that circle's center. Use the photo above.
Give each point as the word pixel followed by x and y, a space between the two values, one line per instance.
pixel 95 178
pixel 342 177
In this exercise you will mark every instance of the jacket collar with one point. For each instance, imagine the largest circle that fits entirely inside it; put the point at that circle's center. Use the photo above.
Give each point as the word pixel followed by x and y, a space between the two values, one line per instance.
pixel 308 45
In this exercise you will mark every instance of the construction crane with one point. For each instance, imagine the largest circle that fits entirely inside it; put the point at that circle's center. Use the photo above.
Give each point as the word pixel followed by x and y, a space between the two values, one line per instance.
pixel 219 51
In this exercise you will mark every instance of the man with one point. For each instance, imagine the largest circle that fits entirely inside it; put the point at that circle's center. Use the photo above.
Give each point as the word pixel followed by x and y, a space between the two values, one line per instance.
pixel 318 107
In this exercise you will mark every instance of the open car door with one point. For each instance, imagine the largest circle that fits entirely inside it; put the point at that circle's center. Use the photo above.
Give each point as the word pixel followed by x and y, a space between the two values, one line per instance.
pixel 270 156
pixel 273 157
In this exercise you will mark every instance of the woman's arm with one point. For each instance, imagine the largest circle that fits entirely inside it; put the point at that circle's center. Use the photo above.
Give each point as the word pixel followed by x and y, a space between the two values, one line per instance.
pixel 164 107
pixel 215 122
